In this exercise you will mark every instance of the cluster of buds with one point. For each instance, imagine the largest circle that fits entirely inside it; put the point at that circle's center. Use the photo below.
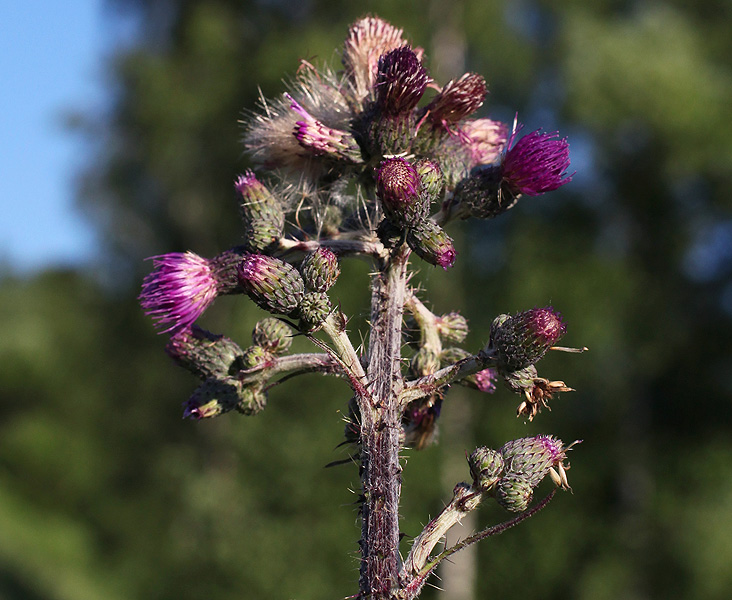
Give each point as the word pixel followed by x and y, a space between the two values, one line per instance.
pixel 511 473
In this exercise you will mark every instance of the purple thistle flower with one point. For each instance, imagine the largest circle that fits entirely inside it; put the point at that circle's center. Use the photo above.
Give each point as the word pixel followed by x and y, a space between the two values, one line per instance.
pixel 536 163
pixel 486 380
pixel 401 81
pixel 398 185
pixel 178 290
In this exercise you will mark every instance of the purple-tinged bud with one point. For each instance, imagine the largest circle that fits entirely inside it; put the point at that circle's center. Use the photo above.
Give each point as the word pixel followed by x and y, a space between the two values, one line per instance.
pixel 458 99
pixel 273 335
pixel 452 327
pixel 398 186
pixel 523 339
pixel 486 467
pixel 432 179
pixel 536 163
pixel 485 380
pixel 218 396
pixel 321 140
pixel 430 242
pixel 400 81
pixel 182 286
pixel 203 353
pixel 314 309
pixel 485 139
pixel 261 213
pixel 513 492
pixel 273 284
pixel 320 269
pixel 533 458
pixel 368 39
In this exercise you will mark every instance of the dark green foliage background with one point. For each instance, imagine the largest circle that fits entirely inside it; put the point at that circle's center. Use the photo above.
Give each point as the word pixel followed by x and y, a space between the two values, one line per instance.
pixel 106 493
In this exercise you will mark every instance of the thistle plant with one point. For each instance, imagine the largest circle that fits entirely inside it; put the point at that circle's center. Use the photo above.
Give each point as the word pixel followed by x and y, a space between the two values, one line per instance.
pixel 376 161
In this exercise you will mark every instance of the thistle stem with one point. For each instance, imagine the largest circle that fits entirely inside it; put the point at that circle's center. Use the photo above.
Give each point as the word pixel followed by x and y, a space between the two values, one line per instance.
pixel 380 428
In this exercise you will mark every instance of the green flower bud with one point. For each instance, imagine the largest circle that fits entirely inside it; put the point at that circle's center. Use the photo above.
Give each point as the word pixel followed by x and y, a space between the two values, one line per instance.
pixel 272 283
pixel 424 362
pixel 513 493
pixel 452 327
pixel 430 242
pixel 203 353
pixel 521 380
pixel 314 309
pixel 252 400
pixel 273 335
pixel 320 270
pixel 261 213
pixel 254 356
pixel 450 356
pixel 486 466
pixel 433 181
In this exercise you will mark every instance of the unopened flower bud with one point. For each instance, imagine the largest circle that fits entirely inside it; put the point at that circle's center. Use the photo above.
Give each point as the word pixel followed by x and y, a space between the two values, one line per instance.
pixel 261 213
pixel 480 195
pixel 272 283
pixel 486 466
pixel 452 327
pixel 450 356
pixel 424 362
pixel 255 356
pixel 432 179
pixel 273 335
pixel 203 353
pixel 523 339
pixel 521 380
pixel 398 186
pixel 216 396
pixel 320 269
pixel 314 309
pixel 430 242
pixel 513 493
pixel 533 457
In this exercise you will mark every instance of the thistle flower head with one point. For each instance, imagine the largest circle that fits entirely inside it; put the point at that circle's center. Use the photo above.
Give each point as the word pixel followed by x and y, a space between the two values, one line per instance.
pixel 523 339
pixel 452 327
pixel 486 466
pixel 513 492
pixel 368 39
pixel 536 163
pixel 458 99
pixel 484 139
pixel 180 288
pixel 261 213
pixel 400 82
pixel 272 283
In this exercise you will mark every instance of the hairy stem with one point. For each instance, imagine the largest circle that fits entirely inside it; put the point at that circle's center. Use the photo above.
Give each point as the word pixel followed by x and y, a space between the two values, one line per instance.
pixel 380 429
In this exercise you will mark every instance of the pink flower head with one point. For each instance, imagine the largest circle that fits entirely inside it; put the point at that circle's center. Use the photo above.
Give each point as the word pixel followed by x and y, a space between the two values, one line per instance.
pixel 536 163
pixel 178 290
pixel 486 380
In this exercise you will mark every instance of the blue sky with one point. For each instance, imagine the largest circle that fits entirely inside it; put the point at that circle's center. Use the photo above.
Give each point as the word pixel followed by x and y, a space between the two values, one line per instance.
pixel 51 62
